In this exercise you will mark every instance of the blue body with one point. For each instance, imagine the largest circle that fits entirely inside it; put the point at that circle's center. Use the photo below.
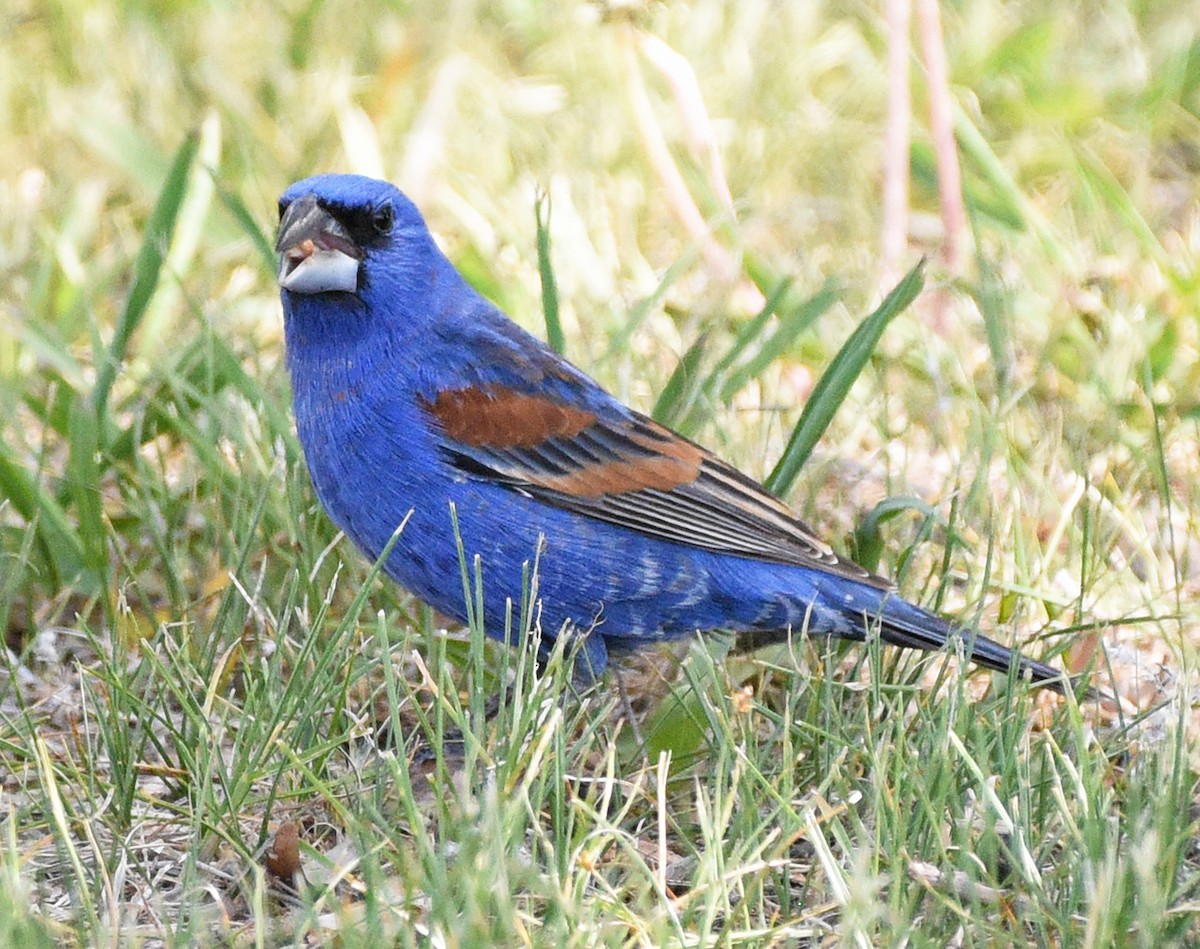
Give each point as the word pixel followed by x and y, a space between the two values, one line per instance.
pixel 362 366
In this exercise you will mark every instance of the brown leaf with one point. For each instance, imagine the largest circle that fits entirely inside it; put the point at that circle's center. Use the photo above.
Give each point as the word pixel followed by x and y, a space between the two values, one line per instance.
pixel 282 859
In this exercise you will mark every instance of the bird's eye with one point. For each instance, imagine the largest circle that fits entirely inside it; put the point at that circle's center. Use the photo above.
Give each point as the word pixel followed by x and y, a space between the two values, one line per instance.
pixel 283 206
pixel 381 219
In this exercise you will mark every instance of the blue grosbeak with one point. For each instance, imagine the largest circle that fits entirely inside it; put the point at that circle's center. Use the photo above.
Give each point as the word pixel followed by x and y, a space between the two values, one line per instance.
pixel 414 395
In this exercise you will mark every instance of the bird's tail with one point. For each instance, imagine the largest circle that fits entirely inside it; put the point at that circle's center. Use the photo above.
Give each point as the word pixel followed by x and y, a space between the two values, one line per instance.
pixel 903 624
pixel 931 632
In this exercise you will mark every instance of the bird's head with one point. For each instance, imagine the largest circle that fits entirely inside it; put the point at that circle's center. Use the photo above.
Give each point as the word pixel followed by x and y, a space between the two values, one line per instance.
pixel 345 234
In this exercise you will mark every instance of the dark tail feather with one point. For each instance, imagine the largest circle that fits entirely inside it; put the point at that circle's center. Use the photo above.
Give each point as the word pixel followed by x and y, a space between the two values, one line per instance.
pixel 935 633
pixel 929 633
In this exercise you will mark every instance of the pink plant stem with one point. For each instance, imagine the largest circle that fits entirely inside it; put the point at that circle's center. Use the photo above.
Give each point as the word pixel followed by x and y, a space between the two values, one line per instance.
pixel 941 123
pixel 894 238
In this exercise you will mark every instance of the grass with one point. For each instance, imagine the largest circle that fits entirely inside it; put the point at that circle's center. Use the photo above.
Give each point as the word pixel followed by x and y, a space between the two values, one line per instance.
pixel 204 688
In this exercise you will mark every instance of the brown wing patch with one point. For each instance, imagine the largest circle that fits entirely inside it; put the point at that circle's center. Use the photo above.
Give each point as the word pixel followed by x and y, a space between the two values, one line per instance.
pixel 493 417
pixel 664 463
pixel 629 471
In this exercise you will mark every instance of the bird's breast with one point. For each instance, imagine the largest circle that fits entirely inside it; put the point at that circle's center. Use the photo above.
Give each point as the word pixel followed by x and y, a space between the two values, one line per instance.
pixel 369 455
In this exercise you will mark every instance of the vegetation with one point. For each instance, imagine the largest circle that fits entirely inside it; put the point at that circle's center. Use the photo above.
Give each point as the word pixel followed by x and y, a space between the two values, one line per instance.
pixel 205 689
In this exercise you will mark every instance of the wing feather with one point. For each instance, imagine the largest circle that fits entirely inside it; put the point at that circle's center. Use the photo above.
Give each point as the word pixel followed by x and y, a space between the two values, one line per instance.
pixel 625 469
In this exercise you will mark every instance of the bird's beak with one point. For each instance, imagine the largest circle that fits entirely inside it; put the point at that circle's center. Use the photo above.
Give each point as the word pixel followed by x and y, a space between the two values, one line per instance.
pixel 316 253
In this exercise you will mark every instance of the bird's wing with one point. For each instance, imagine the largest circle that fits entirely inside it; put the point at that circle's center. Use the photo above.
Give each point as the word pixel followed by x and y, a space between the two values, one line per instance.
pixel 622 468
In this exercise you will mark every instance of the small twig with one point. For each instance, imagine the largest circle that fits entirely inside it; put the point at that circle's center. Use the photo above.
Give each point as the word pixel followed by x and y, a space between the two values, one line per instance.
pixel 703 143
pixel 941 125
pixel 716 257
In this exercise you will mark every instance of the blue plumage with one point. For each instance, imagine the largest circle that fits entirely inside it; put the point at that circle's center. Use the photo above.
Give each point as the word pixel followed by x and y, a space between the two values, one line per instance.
pixel 413 394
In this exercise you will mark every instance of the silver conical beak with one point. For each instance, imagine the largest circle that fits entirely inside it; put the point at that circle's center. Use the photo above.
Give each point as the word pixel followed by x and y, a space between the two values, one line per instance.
pixel 316 253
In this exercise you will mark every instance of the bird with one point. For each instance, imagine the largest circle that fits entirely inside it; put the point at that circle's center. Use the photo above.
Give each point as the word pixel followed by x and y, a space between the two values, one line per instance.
pixel 428 418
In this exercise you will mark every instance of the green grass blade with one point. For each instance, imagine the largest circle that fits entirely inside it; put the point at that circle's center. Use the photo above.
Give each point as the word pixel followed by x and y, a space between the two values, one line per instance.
pixel 685 402
pixel 554 331
pixel 620 341
pixel 995 210
pixel 868 535
pixel 993 307
pixel 1100 178
pixel 207 367
pixel 684 385
pixel 982 159
pixel 246 221
pixel 84 479
pixel 753 328
pixel 20 924
pixel 147 267
pixel 792 323
pixel 57 537
pixel 831 390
